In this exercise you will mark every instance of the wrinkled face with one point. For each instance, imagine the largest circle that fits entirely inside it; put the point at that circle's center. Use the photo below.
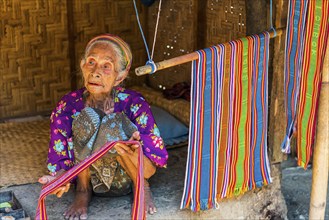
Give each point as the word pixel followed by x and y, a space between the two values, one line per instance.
pixel 98 69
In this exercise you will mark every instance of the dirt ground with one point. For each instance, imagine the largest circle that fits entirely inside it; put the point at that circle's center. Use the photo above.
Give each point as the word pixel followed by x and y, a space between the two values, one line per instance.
pixel 296 188
pixel 167 190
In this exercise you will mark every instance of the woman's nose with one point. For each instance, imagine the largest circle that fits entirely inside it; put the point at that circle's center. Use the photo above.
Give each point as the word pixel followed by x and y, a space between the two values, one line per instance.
pixel 96 72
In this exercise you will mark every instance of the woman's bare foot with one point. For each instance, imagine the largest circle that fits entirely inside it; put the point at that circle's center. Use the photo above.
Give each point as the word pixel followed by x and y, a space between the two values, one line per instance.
pixel 79 207
pixel 149 204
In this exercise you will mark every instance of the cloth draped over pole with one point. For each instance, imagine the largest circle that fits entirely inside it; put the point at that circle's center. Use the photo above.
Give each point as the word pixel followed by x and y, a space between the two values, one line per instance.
pixel 227 152
pixel 138 207
pixel 306 44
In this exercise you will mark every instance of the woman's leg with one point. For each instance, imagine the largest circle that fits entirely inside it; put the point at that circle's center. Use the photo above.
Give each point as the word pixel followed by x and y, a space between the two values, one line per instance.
pixel 79 207
pixel 129 164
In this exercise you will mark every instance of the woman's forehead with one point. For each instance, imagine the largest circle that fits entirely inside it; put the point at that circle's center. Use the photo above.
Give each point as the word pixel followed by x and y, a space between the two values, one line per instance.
pixel 103 49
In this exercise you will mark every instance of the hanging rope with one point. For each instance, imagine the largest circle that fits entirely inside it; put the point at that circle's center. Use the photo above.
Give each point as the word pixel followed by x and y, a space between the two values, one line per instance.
pixel 150 61
pixel 271 19
pixel 156 28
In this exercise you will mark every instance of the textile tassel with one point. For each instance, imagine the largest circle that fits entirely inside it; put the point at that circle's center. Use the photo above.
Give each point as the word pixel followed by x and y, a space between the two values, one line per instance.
pixel 306 44
pixel 227 152
pixel 138 208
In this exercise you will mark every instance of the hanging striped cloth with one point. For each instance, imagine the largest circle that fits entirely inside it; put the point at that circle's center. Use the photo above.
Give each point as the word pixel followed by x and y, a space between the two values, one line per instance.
pixel 227 152
pixel 293 57
pixel 306 43
pixel 138 207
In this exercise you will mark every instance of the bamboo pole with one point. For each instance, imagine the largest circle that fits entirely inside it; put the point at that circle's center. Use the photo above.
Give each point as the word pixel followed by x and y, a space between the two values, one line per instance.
pixel 181 59
pixel 320 168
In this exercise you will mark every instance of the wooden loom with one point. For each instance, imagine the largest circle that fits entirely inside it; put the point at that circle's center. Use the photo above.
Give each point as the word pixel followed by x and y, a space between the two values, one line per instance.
pixel 321 151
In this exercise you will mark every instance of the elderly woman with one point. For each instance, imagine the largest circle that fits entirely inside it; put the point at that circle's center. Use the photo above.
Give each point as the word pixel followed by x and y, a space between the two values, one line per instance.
pixel 78 128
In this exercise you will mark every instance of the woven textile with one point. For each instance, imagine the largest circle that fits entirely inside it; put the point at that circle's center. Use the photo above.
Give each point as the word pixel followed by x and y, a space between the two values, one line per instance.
pixel 306 42
pixel 227 152
pixel 138 207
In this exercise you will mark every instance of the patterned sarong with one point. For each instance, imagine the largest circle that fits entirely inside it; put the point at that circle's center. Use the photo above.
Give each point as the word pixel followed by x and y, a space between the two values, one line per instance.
pixel 138 207
pixel 227 152
pixel 306 42
pixel 91 129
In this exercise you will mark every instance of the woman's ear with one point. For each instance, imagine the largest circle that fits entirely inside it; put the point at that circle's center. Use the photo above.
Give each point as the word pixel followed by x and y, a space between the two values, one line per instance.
pixel 120 78
pixel 82 62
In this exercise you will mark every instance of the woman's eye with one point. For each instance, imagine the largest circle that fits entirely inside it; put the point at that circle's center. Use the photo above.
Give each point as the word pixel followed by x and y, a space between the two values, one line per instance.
pixel 107 66
pixel 91 62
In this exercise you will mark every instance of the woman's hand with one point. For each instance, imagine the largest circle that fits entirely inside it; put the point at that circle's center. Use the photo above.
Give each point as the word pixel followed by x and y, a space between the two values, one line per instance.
pixel 59 191
pixel 124 149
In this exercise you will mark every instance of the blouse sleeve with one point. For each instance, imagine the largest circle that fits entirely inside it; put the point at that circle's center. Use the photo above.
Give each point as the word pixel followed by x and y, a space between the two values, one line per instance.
pixel 60 153
pixel 139 112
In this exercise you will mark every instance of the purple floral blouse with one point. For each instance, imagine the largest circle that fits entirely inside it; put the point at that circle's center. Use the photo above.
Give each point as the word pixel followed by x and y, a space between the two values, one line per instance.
pixel 61 154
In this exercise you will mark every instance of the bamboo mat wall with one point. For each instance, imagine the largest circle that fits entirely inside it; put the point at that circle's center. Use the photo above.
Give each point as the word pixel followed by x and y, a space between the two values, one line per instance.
pixel 23 151
pixel 42 44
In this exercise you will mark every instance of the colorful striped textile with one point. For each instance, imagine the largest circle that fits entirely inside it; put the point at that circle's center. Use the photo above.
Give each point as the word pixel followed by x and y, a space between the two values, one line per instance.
pixel 306 42
pixel 227 152
pixel 138 207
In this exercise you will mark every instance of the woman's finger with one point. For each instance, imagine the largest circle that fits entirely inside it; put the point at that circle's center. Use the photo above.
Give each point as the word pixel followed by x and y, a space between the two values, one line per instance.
pixel 46 179
pixel 67 187
pixel 57 191
pixel 123 149
pixel 61 190
pixel 134 146
pixel 135 136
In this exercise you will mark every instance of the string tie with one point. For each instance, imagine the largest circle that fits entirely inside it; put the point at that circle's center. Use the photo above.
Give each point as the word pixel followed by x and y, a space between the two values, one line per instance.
pixel 152 65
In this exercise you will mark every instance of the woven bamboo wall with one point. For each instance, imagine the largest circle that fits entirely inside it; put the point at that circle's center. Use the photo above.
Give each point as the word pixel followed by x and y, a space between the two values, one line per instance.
pixel 188 25
pixel 225 21
pixel 40 53
pixel 34 65
pixel 176 36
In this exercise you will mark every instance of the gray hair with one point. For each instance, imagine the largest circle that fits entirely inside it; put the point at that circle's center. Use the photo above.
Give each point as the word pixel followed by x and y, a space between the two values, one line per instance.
pixel 120 65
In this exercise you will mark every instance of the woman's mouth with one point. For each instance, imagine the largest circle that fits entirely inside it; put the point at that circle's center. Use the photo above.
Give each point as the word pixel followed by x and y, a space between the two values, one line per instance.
pixel 94 84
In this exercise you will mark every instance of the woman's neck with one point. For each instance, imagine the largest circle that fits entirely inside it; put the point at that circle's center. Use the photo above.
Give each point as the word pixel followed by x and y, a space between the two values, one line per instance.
pixel 103 102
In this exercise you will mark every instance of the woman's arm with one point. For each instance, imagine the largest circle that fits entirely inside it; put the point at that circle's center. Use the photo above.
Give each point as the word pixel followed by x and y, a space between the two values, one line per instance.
pixel 60 153
pixel 139 112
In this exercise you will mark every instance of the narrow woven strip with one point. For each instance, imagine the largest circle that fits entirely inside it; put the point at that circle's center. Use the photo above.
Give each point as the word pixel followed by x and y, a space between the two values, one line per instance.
pixel 138 207
pixel 297 12
pixel 227 152
pixel 306 44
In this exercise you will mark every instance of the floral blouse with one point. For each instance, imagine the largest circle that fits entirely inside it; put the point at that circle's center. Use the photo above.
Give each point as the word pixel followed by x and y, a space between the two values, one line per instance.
pixel 131 103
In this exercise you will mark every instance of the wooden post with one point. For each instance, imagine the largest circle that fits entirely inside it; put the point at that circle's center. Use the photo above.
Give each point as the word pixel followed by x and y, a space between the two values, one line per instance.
pixel 277 116
pixel 320 168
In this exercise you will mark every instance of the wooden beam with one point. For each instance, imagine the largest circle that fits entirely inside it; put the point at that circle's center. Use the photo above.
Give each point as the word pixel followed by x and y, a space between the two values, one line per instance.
pixel 320 168
pixel 180 60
